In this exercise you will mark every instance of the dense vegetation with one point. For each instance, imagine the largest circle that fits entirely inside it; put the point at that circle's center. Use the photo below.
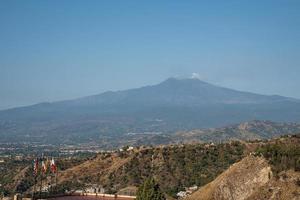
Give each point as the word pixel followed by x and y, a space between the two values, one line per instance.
pixel 173 167
pixel 282 155
pixel 11 169
pixel 150 190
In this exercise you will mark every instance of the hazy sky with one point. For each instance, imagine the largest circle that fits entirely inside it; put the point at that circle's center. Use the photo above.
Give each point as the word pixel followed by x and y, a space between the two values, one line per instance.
pixel 59 49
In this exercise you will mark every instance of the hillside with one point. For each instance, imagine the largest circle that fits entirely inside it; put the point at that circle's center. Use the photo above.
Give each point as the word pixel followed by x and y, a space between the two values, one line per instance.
pixel 238 182
pixel 254 169
pixel 286 186
pixel 178 166
pixel 244 131
pixel 250 179
pixel 171 106
pixel 174 167
pixel 270 173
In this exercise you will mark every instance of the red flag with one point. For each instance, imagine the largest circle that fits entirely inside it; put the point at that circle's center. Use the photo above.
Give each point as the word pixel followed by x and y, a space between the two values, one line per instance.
pixel 44 168
pixel 53 166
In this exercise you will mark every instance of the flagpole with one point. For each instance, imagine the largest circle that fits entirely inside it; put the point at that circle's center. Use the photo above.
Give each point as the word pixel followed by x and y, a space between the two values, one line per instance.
pixel 53 171
pixel 33 192
pixel 56 179
pixel 41 185
pixel 46 170
pixel 52 182
pixel 42 173
pixel 35 174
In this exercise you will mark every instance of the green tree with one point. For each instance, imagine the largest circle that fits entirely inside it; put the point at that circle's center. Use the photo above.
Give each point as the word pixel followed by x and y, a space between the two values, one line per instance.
pixel 150 190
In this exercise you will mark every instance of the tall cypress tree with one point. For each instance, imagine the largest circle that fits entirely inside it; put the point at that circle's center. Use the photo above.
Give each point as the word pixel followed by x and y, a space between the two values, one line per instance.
pixel 149 190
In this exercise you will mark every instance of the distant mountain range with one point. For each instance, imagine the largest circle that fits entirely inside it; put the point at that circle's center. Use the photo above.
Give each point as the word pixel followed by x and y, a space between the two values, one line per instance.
pixel 171 106
pixel 251 130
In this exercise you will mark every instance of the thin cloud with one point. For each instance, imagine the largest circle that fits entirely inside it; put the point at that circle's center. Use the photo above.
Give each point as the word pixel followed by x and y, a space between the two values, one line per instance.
pixel 195 76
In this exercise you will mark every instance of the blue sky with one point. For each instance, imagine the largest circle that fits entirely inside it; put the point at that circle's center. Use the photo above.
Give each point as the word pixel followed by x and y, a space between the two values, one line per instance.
pixel 63 49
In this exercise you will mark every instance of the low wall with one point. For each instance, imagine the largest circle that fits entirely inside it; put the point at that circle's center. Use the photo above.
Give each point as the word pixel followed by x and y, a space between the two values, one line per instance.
pixel 108 195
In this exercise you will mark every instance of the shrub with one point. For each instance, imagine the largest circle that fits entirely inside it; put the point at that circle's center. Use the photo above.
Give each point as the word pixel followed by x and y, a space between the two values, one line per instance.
pixel 150 190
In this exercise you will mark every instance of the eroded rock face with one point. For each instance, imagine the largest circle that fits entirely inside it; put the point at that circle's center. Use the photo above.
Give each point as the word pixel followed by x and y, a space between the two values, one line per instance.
pixel 242 179
pixel 239 182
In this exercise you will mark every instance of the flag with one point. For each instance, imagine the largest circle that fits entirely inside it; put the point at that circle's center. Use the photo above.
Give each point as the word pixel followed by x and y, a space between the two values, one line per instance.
pixel 35 167
pixel 44 168
pixel 53 166
pixel 47 164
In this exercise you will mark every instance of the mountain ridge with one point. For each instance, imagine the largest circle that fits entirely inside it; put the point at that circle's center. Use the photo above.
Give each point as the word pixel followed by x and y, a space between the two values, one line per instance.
pixel 173 83
pixel 163 83
pixel 170 106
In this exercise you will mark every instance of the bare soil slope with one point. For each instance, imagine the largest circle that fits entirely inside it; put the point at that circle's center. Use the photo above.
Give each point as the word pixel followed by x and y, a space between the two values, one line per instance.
pixel 286 187
pixel 239 182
